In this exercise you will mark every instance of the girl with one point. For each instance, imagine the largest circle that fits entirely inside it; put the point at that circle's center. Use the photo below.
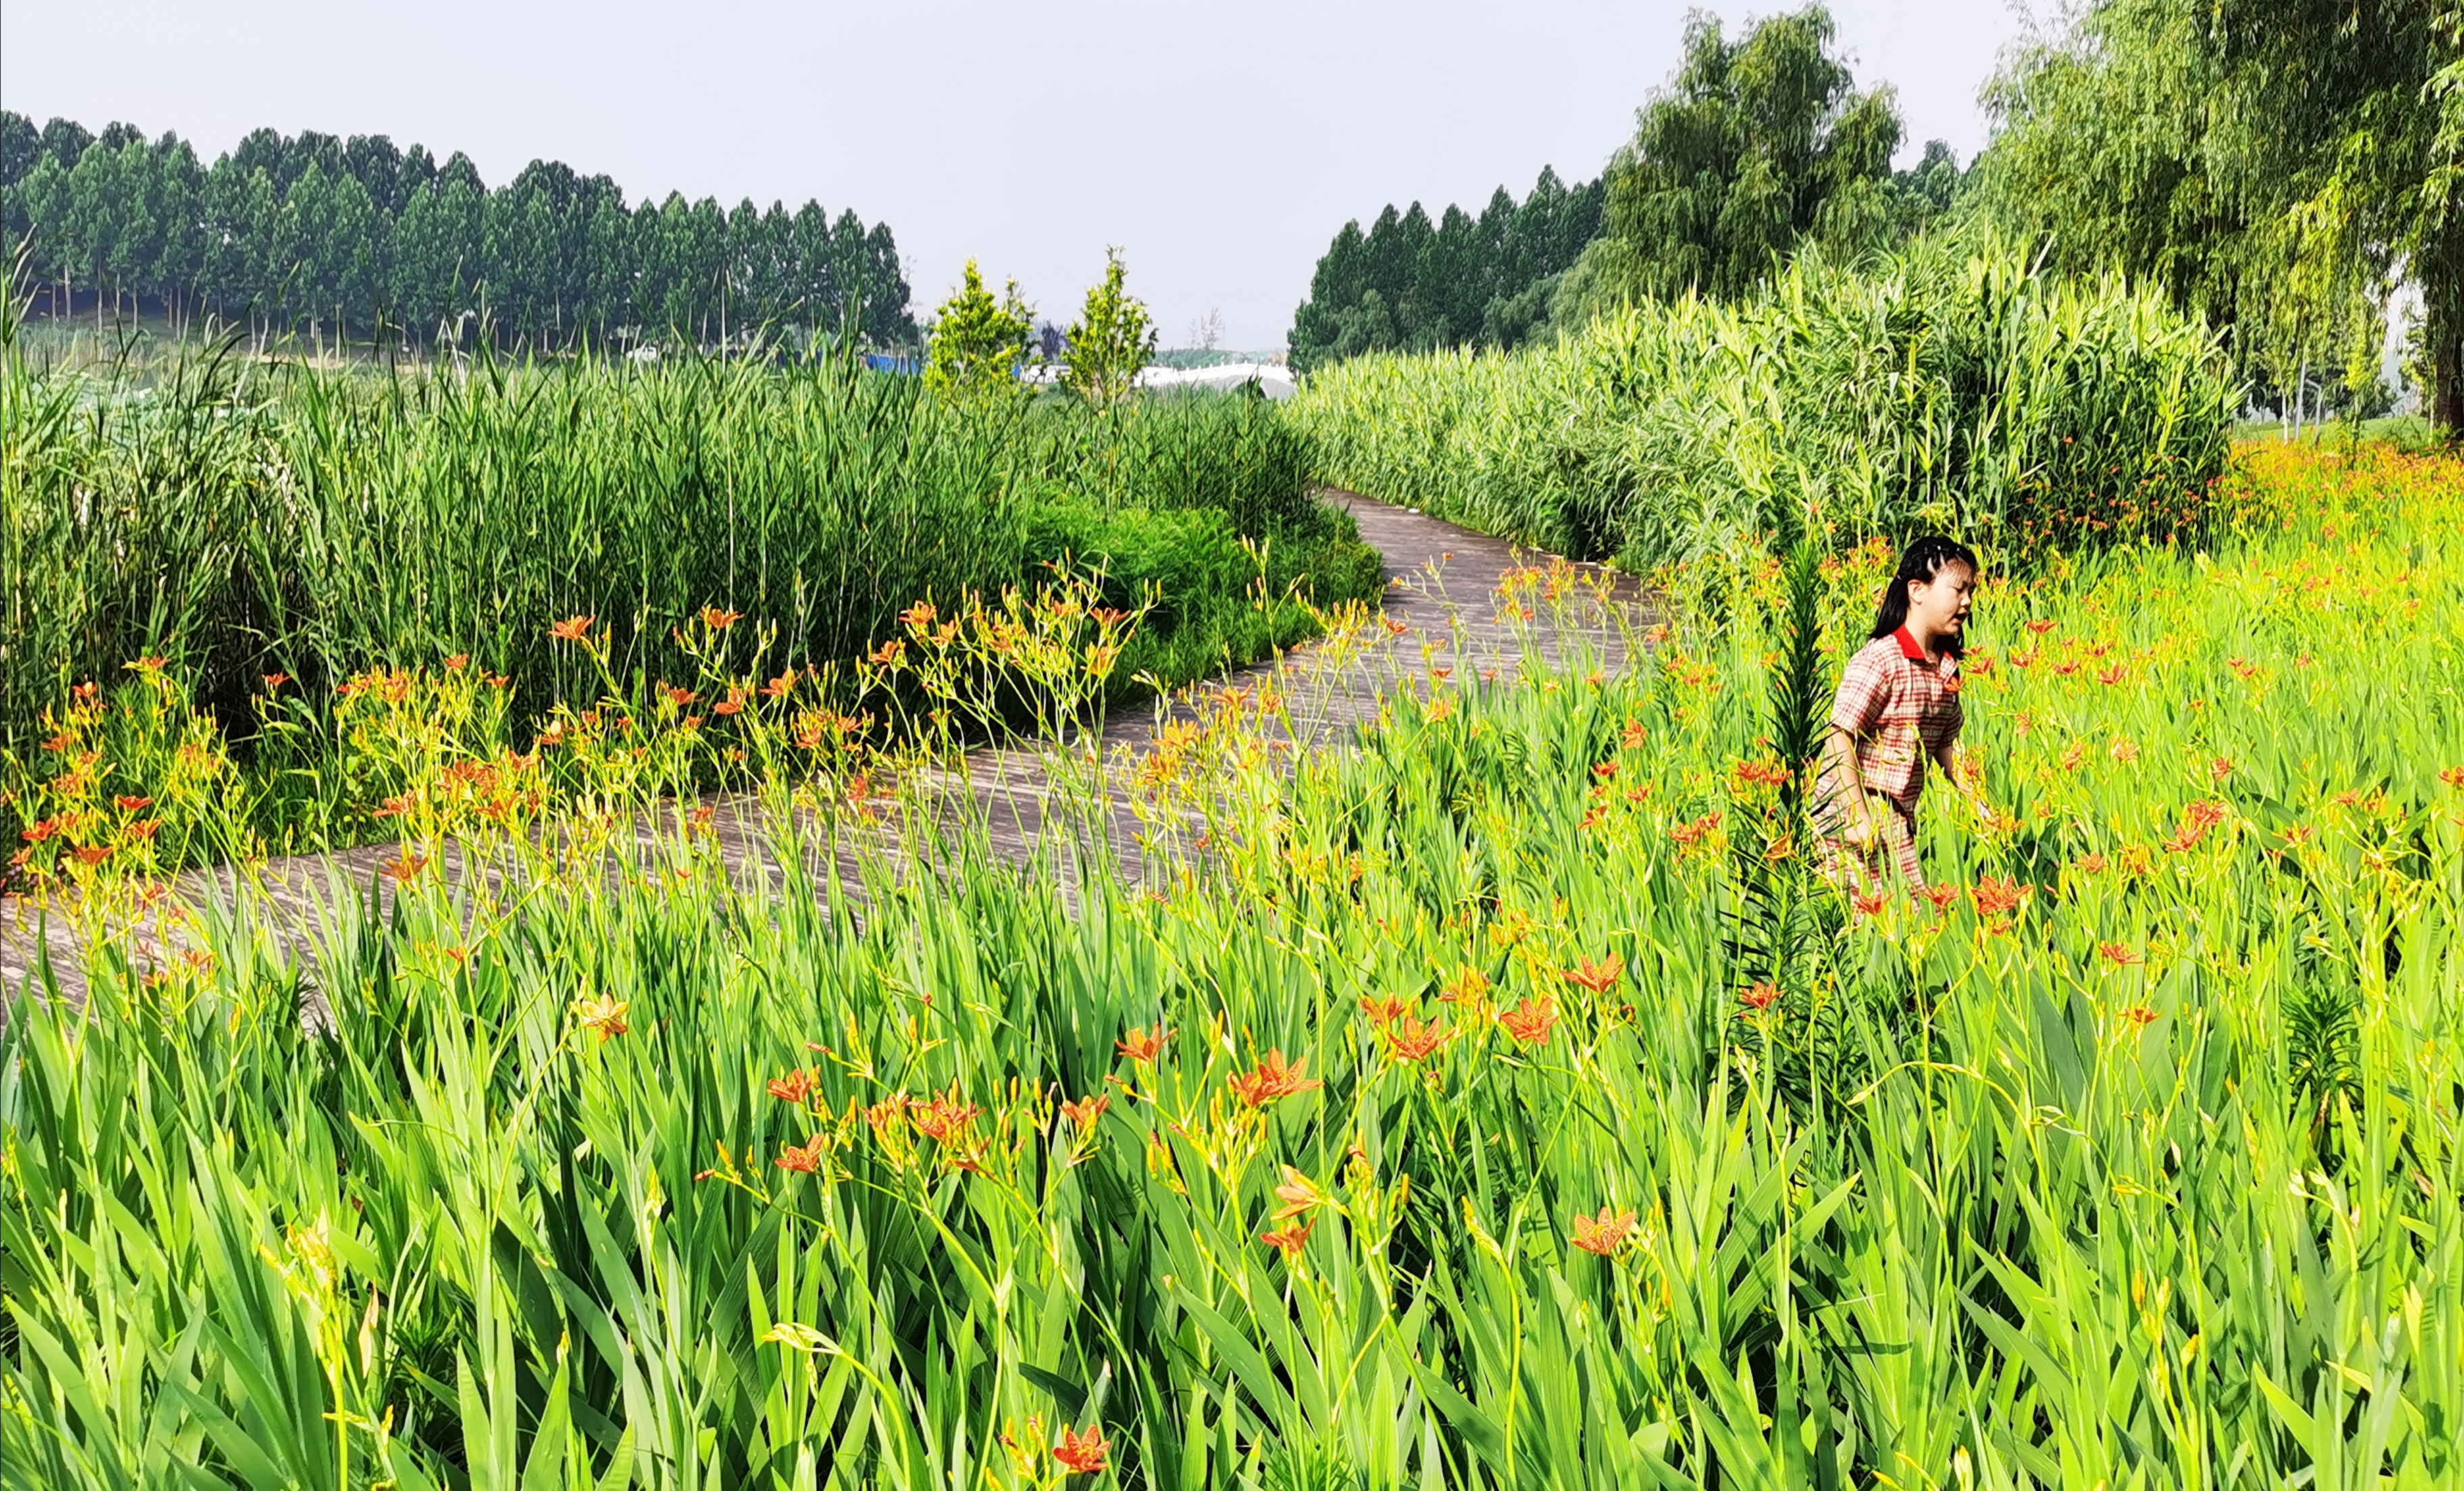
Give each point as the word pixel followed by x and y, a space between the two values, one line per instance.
pixel 1898 705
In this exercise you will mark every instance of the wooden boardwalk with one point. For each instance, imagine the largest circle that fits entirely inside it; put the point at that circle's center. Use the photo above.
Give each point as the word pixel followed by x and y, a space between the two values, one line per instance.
pixel 1445 612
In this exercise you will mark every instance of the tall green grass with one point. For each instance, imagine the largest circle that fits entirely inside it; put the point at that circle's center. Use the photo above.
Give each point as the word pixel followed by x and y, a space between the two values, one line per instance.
pixel 2149 1176
pixel 1924 390
pixel 240 519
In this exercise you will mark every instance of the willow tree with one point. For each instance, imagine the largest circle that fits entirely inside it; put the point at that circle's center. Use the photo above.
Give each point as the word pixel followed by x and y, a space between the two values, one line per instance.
pixel 2276 167
pixel 1758 146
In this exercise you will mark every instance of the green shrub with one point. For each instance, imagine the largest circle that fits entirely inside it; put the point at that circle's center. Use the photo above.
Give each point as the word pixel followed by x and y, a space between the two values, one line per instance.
pixel 1212 598
pixel 1924 390
pixel 241 519
pixel 1239 454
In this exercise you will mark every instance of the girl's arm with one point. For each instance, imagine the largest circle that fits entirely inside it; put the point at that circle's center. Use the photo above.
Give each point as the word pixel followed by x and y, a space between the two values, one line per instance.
pixel 1857 828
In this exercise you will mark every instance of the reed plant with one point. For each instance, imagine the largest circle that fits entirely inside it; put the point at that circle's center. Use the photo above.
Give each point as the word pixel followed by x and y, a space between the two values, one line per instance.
pixel 1925 389
pixel 1434 1129
pixel 271 531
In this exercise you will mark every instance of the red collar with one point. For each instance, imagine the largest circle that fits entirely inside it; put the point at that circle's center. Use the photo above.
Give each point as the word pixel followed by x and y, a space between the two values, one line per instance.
pixel 1910 649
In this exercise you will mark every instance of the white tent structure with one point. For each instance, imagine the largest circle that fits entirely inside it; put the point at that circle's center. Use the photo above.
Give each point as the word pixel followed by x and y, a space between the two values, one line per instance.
pixel 1275 380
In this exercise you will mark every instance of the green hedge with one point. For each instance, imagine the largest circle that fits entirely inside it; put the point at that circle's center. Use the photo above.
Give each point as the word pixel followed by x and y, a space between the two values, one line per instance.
pixel 1930 389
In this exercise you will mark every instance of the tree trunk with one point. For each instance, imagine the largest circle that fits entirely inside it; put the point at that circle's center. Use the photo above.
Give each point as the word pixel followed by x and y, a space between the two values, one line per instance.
pixel 2444 331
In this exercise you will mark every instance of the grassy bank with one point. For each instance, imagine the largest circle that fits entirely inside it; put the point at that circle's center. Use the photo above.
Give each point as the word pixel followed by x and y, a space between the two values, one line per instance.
pixel 1921 391
pixel 1431 1134
pixel 266 533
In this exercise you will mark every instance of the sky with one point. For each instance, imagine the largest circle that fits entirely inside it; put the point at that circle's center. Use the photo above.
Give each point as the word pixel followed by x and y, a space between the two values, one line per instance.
pixel 1220 146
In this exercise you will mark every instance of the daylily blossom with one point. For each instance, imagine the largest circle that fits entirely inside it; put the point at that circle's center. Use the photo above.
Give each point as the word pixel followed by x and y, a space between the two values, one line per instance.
pixel 1598 978
pixel 1287 1240
pixel 603 1014
pixel 1529 1022
pixel 805 1158
pixel 1602 1234
pixel 1083 1455
pixel 1270 1081
pixel 1410 1038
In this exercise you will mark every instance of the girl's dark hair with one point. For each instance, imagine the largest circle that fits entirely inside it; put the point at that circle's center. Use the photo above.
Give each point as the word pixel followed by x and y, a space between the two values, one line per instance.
pixel 1922 559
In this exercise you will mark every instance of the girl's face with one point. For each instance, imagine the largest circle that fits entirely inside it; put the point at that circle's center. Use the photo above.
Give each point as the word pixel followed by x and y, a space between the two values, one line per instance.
pixel 1937 607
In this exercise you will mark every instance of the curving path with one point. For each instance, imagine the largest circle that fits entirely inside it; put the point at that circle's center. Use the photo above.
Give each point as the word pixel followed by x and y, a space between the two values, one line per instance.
pixel 1442 610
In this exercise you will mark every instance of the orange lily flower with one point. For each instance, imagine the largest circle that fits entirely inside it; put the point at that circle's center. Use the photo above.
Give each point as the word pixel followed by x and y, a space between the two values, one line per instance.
pixel 1386 1009
pixel 603 1014
pixel 1272 1080
pixel 1598 978
pixel 1408 1039
pixel 1529 1022
pixel 1083 1455
pixel 1602 1234
pixel 1287 1240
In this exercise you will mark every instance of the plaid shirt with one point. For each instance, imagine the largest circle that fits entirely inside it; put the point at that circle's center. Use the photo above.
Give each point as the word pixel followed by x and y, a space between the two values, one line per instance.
pixel 1899 706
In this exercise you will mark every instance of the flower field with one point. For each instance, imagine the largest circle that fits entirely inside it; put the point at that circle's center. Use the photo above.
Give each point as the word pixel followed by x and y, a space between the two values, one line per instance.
pixel 1421 1132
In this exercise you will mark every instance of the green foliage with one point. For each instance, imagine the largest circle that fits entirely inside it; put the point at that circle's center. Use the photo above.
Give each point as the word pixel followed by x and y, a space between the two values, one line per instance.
pixel 1227 452
pixel 1112 340
pixel 1207 598
pixel 1410 286
pixel 980 343
pixel 1755 146
pixel 467 1231
pixel 242 521
pixel 357 237
pixel 2271 165
pixel 1918 390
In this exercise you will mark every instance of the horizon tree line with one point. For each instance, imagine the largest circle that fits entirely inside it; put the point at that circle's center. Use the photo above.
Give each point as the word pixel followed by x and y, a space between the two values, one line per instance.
pixel 2283 171
pixel 358 238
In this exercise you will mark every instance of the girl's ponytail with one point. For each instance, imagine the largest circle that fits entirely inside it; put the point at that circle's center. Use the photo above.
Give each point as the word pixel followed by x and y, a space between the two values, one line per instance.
pixel 1922 559
pixel 1894 613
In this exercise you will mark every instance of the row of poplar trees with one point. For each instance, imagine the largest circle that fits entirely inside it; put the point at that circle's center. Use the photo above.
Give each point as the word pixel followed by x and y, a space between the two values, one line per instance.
pixel 356 238
pixel 2286 168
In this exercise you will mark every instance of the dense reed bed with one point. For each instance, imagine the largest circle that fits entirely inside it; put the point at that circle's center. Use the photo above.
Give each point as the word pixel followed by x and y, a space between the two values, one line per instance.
pixel 240 520
pixel 1431 1131
pixel 1927 389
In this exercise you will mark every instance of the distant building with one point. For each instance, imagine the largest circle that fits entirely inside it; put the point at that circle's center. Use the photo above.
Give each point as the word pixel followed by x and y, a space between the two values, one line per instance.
pixel 1273 378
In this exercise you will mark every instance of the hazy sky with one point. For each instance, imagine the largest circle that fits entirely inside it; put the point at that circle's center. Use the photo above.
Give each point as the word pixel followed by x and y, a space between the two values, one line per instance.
pixel 1221 147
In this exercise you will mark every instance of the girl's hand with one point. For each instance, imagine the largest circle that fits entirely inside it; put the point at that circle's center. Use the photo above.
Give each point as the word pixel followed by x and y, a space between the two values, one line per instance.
pixel 1858 832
